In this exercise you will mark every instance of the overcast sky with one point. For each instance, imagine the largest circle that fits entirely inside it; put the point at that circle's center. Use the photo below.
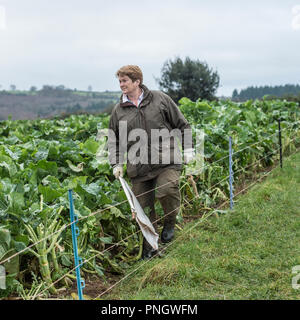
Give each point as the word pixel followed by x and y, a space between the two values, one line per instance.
pixel 78 43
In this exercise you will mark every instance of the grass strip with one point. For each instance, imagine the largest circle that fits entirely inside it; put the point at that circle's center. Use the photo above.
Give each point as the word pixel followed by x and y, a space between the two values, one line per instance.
pixel 247 253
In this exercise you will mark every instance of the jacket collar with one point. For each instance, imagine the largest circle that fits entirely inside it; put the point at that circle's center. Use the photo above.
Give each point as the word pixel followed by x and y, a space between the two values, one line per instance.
pixel 140 98
pixel 146 99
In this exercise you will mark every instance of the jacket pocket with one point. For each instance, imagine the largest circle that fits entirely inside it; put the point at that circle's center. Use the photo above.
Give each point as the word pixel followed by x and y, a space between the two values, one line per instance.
pixel 143 169
pixel 134 170
pixel 131 170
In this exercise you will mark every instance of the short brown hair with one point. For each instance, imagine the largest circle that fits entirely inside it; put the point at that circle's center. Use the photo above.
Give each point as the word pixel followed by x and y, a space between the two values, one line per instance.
pixel 131 71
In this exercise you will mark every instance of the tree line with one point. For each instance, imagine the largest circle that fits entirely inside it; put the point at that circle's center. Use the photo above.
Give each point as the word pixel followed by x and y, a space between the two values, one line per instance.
pixel 258 92
pixel 179 78
pixel 48 90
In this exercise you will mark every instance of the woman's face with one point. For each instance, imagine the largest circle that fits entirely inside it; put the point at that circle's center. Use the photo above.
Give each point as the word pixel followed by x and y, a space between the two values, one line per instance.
pixel 127 85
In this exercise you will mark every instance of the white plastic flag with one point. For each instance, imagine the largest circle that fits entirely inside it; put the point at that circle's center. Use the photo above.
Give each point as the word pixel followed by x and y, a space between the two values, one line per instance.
pixel 140 216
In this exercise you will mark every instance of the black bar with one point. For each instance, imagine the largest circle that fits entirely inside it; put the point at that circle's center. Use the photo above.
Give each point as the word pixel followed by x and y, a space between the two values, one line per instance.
pixel 151 309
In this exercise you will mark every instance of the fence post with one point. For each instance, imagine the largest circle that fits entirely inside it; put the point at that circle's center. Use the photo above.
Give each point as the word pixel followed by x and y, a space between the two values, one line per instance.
pixel 280 144
pixel 230 173
pixel 77 259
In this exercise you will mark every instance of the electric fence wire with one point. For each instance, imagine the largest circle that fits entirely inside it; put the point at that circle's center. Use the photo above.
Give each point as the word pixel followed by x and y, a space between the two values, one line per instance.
pixel 120 242
pixel 180 236
pixel 267 137
pixel 148 260
pixel 192 173
pixel 115 205
pixel 276 131
pixel 171 243
pixel 257 161
pixel 116 244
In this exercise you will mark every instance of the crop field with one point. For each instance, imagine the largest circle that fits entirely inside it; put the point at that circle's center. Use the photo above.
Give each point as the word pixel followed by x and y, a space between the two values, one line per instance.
pixel 40 160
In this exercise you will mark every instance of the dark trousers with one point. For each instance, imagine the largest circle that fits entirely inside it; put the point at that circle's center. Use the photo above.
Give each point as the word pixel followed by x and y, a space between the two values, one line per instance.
pixel 167 191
